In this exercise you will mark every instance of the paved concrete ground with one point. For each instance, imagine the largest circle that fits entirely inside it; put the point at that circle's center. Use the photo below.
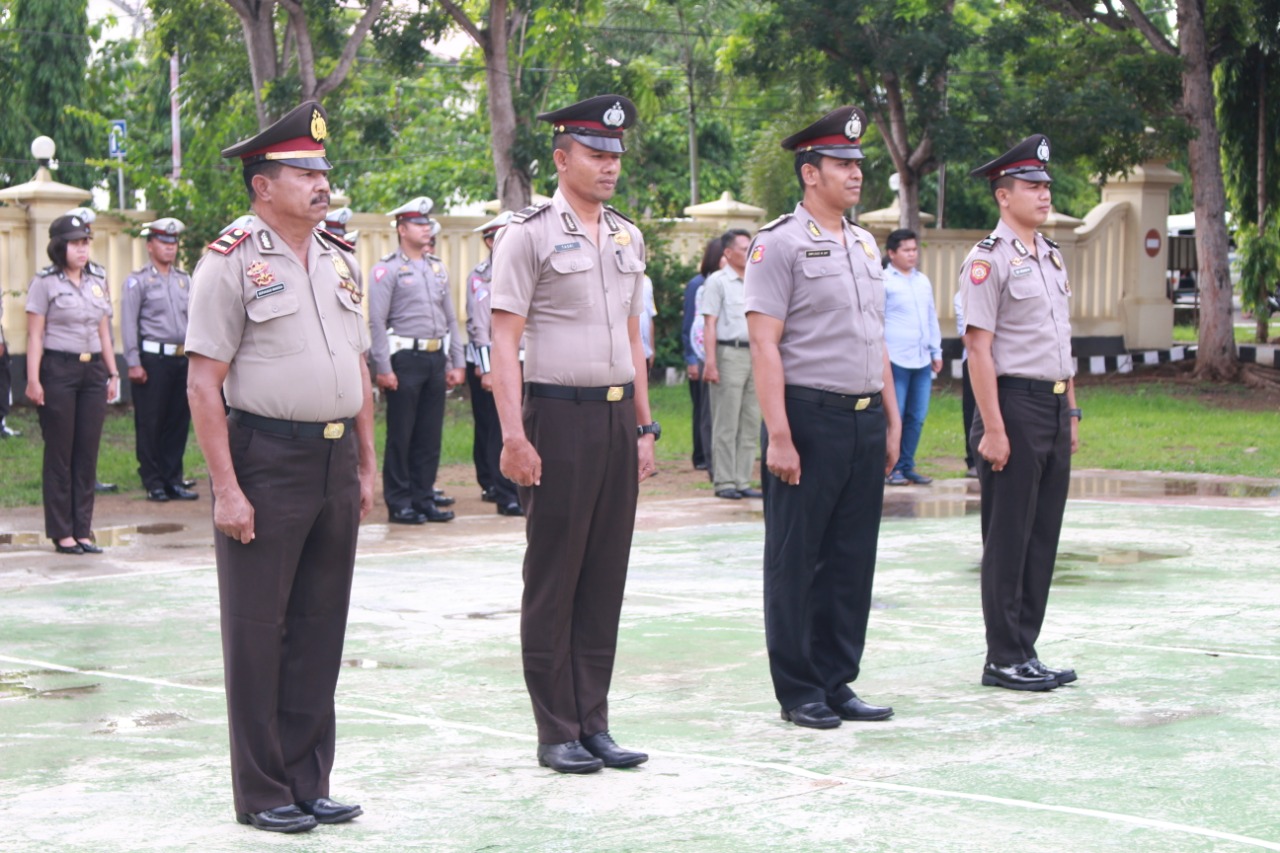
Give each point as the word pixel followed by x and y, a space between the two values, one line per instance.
pixel 113 737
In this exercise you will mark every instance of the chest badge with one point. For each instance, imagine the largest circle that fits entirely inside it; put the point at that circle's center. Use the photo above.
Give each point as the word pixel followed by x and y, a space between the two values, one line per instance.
pixel 352 288
pixel 182 284
pixel 814 229
pixel 866 247
pixel 340 266
pixel 97 291
pixel 1055 260
pixel 435 267
pixel 622 238
pixel 260 274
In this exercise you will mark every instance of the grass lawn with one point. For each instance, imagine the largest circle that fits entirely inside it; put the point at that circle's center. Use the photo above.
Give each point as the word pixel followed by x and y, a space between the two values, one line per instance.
pixel 1187 334
pixel 1156 426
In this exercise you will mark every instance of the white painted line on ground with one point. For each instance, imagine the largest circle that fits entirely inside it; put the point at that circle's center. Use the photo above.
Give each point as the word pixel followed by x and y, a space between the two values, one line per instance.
pixel 788 769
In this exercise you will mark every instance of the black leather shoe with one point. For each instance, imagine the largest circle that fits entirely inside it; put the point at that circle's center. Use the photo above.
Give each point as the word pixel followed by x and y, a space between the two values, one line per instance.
pixel 434 513
pixel 440 498
pixel 603 747
pixel 571 757
pixel 88 547
pixel 512 508
pixel 751 493
pixel 158 495
pixel 325 810
pixel 68 549
pixel 1062 676
pixel 814 715
pixel 181 493
pixel 407 515
pixel 854 708
pixel 1020 676
pixel 489 496
pixel 188 483
pixel 104 488
pixel 729 494
pixel 280 819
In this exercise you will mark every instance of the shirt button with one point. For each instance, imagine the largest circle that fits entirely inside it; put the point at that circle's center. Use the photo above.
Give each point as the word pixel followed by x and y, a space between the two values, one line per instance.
pixel 333 352
pixel 323 316
pixel 339 393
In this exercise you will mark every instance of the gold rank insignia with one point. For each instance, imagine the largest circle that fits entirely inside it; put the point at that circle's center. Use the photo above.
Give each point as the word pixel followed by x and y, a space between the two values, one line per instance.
pixel 260 274
pixel 319 127
pixel 182 285
pixel 1057 262
pixel 867 248
pixel 97 291
pixel 622 238
pixel 1016 262
pixel 435 267
pixel 814 229
pixel 340 265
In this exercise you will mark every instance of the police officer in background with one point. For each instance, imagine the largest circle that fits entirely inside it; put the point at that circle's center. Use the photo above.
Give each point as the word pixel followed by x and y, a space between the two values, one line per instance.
pixel 569 274
pixel 815 312
pixel 6 382
pixel 1018 331
pixel 276 320
pixel 335 222
pixel 417 357
pixel 153 326
pixel 487 438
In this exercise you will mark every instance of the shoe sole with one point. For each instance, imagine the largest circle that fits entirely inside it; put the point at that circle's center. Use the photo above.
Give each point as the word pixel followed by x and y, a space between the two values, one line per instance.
pixel 579 771
pixel 989 681
pixel 833 724
pixel 623 765
pixel 301 827
pixel 1067 679
pixel 876 718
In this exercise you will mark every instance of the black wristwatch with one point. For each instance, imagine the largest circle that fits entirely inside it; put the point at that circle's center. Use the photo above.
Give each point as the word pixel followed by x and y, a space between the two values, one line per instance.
pixel 1078 414
pixel 654 429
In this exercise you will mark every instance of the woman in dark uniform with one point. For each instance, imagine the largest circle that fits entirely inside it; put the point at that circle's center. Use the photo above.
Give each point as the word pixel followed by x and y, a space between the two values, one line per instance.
pixel 71 374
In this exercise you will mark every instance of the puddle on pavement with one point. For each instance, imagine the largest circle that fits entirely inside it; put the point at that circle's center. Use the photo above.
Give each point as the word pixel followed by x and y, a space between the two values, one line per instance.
pixel 105 536
pixel 1169 487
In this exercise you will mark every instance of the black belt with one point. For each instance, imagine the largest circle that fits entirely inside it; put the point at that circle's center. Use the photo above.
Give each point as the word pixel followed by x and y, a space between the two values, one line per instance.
pixel 292 429
pixel 1040 386
pixel 75 356
pixel 851 402
pixel 604 393
pixel 734 344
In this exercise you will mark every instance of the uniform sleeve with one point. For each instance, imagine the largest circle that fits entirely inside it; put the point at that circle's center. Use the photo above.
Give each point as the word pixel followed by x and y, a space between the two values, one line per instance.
pixel 978 283
pixel 768 281
pixel 456 358
pixel 479 314
pixel 380 283
pixel 515 269
pixel 217 309
pixel 130 305
pixel 38 297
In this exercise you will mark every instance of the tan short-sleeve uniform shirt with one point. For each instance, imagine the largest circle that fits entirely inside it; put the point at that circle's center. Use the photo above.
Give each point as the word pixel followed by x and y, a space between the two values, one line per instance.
pixel 71 312
pixel 575 295
pixel 828 290
pixel 1022 297
pixel 293 336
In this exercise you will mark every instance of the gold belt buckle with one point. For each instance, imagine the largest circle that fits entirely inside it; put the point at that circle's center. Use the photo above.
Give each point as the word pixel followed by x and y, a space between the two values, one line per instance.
pixel 86 356
pixel 614 393
pixel 334 431
pixel 1060 387
pixel 863 402
pixel 179 349
pixel 433 345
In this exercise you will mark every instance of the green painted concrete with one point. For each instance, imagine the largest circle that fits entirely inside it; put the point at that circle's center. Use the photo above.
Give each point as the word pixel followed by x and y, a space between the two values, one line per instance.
pixel 113 737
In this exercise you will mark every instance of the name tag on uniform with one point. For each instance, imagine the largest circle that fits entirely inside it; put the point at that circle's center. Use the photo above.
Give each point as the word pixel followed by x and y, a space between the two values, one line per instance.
pixel 1017 271
pixel 568 247
pixel 818 253
pixel 267 291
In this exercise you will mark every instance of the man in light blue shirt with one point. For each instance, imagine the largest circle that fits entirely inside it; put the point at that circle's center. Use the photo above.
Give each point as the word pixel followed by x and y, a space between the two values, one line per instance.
pixel 914 342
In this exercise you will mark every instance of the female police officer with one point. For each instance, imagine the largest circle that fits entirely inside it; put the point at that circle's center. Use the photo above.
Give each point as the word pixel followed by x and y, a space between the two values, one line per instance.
pixel 71 374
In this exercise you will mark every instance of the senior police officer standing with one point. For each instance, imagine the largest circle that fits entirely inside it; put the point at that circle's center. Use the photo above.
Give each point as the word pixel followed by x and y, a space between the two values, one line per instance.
pixel 153 327
pixel 487 440
pixel 815 311
pixel 417 358
pixel 569 274
pixel 1017 316
pixel 276 320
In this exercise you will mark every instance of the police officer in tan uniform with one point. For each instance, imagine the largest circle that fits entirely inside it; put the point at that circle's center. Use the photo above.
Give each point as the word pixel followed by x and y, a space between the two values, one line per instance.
pixel 487 437
pixel 153 327
pixel 569 275
pixel 815 311
pixel 1016 305
pixel 71 374
pixel 417 358
pixel 276 322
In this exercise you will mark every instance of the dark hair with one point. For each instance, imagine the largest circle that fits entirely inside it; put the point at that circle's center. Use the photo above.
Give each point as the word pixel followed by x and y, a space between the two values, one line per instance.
pixel 266 168
pixel 1003 182
pixel 897 238
pixel 732 234
pixel 562 142
pixel 811 158
pixel 57 252
pixel 711 256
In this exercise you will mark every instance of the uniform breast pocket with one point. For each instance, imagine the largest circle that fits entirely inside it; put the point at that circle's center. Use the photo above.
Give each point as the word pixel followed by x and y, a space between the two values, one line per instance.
pixel 574 282
pixel 274 324
pixel 825 288
pixel 1025 287
pixel 352 320
pixel 66 302
pixel 630 269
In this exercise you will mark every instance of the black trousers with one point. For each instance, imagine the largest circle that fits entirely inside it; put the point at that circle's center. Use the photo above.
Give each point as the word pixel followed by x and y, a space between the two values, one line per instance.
pixel 701 422
pixel 579 526
pixel 284 600
pixel 75 405
pixel 486 446
pixel 968 405
pixel 415 423
pixel 1022 510
pixel 162 419
pixel 6 384
pixel 820 541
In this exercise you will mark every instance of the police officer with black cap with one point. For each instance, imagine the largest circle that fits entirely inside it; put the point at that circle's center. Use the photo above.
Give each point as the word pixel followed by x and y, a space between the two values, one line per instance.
pixel 276 320
pixel 153 327
pixel 1016 305
pixel 569 274
pixel 815 311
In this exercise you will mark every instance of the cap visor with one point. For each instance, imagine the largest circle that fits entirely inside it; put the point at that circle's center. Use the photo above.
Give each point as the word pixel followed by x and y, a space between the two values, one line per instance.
pixel 76 234
pixel 1034 176
pixel 600 143
pixel 163 238
pixel 312 164
pixel 416 219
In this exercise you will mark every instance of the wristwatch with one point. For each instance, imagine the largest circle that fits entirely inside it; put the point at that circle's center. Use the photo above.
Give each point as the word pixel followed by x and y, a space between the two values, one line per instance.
pixel 1078 414
pixel 654 429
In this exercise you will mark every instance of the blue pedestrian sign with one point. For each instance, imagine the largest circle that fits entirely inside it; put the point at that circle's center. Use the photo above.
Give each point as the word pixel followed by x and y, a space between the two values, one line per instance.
pixel 119 128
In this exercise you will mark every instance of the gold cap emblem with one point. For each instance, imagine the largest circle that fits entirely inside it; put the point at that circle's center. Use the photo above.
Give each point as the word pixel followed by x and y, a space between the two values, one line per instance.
pixel 319 128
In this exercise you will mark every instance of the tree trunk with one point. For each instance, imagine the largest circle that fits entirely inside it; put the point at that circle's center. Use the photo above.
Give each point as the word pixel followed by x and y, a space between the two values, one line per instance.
pixel 909 201
pixel 257 19
pixel 1216 357
pixel 1262 325
pixel 514 189
pixel 693 128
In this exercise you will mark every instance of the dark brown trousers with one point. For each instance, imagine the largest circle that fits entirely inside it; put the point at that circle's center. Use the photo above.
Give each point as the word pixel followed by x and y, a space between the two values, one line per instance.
pixel 284 600
pixel 579 526
pixel 75 405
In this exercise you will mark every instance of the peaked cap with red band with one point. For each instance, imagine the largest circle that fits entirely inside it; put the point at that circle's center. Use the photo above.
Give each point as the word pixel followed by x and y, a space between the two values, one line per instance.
pixel 837 134
pixel 1025 161
pixel 596 122
pixel 297 140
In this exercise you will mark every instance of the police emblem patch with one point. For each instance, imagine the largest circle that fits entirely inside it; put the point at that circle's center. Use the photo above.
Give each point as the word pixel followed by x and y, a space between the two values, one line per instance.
pixel 1042 150
pixel 319 128
pixel 615 115
pixel 260 274
pixel 97 291
pixel 622 238
pixel 978 271
pixel 757 254
pixel 381 271
pixel 853 127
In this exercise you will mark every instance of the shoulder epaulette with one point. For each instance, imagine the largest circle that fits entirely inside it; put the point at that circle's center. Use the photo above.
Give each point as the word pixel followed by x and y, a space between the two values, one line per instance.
pixel 619 213
pixel 49 270
pixel 529 212
pixel 989 243
pixel 1047 240
pixel 325 237
pixel 775 223
pixel 227 242
pixel 482 266
pixel 97 269
pixel 388 256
